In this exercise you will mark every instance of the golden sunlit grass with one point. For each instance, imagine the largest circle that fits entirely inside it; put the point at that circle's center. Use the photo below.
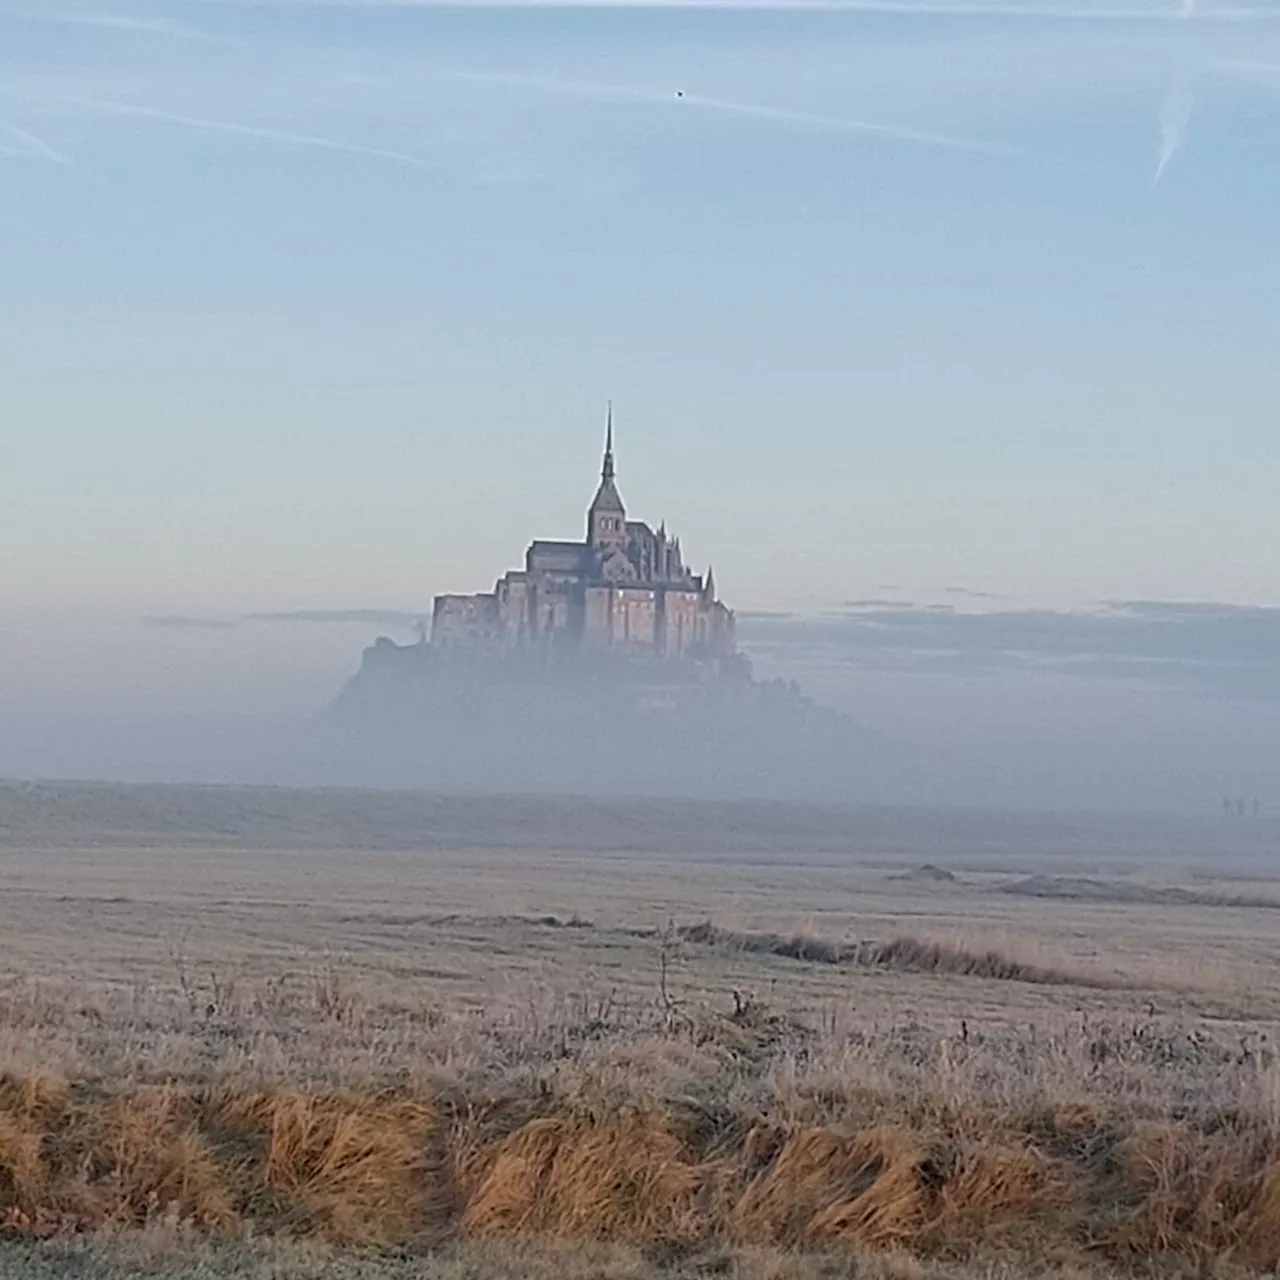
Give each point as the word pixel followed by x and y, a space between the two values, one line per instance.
pixel 420 1166
pixel 677 1127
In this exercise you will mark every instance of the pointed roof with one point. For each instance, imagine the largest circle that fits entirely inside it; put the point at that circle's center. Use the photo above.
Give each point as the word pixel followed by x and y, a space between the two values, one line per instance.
pixel 709 585
pixel 608 472
pixel 607 497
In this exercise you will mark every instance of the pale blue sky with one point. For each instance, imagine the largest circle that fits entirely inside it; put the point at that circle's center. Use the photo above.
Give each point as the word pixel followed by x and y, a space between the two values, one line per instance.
pixel 317 305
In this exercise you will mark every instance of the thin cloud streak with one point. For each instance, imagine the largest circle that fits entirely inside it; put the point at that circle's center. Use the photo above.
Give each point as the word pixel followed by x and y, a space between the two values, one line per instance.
pixel 1202 647
pixel 282 136
pixel 924 8
pixel 184 622
pixel 1175 114
pixel 839 124
pixel 348 617
pixel 363 617
pixel 755 111
pixel 1175 121
pixel 33 146
pixel 124 23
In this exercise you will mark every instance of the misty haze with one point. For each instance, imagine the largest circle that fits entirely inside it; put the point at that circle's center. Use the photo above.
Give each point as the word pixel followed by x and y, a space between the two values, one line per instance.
pixel 639 640
pixel 1123 706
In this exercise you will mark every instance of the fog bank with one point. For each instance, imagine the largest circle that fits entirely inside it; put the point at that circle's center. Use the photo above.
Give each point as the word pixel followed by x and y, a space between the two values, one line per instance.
pixel 1139 706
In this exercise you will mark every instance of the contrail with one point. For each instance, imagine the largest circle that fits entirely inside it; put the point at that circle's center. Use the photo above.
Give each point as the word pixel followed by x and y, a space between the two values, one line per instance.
pixel 1074 12
pixel 1175 115
pixel 755 111
pixel 841 124
pixel 117 22
pixel 283 136
pixel 1175 120
pixel 33 146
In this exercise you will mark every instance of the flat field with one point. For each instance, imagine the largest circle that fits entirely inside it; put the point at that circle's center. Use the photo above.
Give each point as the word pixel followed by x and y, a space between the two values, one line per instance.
pixel 261 1032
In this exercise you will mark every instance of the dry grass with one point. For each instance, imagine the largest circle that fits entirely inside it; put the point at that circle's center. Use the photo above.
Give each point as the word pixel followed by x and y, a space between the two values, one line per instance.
pixel 627 1178
pixel 349 1169
pixel 933 1178
pixel 462 1064
pixel 163 1255
pixel 1198 1194
pixel 345 1169
pixel 902 954
pixel 821 1187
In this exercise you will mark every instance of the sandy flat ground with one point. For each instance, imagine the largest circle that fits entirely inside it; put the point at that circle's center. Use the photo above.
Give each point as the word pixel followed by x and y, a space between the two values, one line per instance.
pixel 478 902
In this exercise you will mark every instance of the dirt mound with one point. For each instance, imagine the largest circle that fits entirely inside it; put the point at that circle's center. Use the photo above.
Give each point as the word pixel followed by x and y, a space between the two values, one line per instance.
pixel 928 873
pixel 1084 889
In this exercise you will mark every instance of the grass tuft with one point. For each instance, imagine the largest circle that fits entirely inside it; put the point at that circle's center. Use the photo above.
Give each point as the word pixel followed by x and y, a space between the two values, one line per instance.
pixel 404 1168
pixel 346 1169
pixel 627 1179
pixel 901 954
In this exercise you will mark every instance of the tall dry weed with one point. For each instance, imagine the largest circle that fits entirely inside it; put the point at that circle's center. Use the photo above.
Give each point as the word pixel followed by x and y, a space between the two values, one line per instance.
pixel 352 1170
pixel 1198 1195
pixel 24 1176
pixel 814 1187
pixel 412 1168
pixel 146 1156
pixel 630 1179
pixel 996 1194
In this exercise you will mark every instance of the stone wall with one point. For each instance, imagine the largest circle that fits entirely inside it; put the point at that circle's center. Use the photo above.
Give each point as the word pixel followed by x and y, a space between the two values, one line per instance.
pixel 466 620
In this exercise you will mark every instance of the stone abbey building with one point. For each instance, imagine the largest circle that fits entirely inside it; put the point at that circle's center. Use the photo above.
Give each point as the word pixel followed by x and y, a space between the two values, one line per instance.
pixel 623 590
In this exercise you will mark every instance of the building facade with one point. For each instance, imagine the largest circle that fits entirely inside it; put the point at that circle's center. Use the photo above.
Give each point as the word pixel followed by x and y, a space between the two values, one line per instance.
pixel 623 590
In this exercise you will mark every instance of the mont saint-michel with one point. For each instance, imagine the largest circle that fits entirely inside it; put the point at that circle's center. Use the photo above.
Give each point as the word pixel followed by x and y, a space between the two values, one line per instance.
pixel 623 589
pixel 605 662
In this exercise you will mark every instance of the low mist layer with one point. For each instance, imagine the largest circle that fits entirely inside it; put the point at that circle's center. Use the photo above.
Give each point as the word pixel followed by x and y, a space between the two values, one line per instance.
pixel 1138 707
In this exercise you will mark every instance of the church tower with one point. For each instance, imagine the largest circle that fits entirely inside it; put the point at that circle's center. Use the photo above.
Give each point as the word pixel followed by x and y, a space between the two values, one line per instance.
pixel 607 517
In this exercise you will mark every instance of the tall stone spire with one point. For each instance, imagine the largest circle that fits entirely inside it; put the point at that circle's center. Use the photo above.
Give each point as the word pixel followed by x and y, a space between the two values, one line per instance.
pixel 607 517
pixel 709 585
pixel 607 471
